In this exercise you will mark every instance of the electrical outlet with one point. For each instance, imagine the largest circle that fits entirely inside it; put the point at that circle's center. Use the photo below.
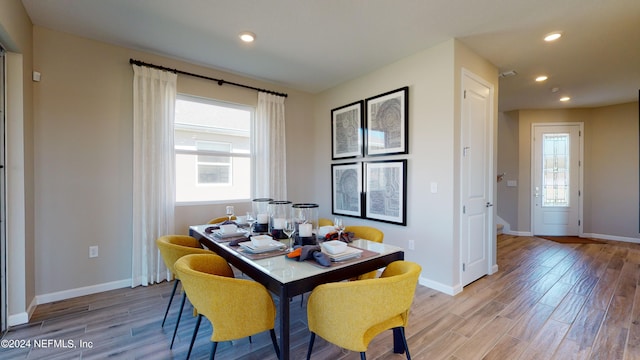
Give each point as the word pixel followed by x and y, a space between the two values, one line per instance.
pixel 93 251
pixel 411 245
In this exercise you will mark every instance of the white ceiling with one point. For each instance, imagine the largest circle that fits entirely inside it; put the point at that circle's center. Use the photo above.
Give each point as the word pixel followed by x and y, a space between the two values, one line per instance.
pixel 313 45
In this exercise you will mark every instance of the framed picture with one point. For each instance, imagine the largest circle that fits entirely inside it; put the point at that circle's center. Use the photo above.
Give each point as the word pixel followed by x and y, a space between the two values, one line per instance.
pixel 346 131
pixel 385 191
pixel 346 189
pixel 387 123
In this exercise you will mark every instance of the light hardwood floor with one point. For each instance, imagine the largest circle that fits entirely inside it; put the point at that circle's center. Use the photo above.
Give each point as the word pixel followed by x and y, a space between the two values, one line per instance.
pixel 548 301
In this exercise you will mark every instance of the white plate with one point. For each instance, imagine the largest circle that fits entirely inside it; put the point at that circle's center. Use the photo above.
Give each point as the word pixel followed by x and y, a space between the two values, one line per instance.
pixel 350 253
pixel 272 246
pixel 221 235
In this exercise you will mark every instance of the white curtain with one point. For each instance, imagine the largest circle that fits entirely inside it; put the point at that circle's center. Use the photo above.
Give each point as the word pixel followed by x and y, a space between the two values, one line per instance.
pixel 154 97
pixel 270 149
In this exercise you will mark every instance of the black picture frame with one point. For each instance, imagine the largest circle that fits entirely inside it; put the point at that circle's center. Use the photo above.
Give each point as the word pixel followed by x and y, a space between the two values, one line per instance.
pixel 347 140
pixel 346 189
pixel 385 191
pixel 387 123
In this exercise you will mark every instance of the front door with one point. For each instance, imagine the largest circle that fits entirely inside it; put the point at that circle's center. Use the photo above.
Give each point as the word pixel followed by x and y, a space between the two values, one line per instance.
pixel 556 180
pixel 477 227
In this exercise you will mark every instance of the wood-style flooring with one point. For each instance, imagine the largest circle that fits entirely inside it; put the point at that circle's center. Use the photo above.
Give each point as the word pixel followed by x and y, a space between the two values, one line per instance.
pixel 548 301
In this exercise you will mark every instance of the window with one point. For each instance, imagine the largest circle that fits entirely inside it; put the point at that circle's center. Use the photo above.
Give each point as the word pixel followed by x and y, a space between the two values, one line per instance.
pixel 214 169
pixel 213 150
pixel 555 180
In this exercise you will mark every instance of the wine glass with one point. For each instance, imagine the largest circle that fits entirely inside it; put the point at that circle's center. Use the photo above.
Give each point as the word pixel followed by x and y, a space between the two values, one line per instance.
pixel 338 225
pixel 230 212
pixel 289 228
pixel 250 220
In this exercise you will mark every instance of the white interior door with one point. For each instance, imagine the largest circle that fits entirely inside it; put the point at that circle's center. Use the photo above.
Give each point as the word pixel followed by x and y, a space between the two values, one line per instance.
pixel 556 179
pixel 477 228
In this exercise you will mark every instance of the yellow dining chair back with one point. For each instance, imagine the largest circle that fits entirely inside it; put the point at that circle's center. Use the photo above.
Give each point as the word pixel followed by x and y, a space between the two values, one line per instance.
pixel 350 314
pixel 173 247
pixel 368 233
pixel 236 308
pixel 324 222
pixel 220 219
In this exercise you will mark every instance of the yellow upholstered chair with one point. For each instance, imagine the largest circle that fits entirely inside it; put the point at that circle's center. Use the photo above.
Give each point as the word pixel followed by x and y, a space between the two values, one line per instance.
pixel 368 233
pixel 324 222
pixel 350 314
pixel 220 219
pixel 173 247
pixel 236 308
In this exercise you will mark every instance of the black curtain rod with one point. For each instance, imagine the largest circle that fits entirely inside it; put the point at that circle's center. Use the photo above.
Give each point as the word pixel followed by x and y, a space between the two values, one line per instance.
pixel 219 81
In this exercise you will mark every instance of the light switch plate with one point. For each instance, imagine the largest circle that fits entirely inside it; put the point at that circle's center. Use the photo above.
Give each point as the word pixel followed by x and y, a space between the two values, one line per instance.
pixel 93 251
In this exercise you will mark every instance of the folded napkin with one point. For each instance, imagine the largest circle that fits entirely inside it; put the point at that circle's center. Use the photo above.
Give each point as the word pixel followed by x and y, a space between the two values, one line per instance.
pixel 313 252
pixel 214 227
pixel 347 236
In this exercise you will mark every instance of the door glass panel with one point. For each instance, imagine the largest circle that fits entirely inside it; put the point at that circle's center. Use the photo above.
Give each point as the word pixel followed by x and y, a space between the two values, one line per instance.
pixel 555 170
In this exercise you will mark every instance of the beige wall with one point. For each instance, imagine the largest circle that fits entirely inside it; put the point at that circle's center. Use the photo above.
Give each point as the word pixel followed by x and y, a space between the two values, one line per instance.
pixel 611 172
pixel 434 78
pixel 16 37
pixel 507 197
pixel 83 133
pixel 610 168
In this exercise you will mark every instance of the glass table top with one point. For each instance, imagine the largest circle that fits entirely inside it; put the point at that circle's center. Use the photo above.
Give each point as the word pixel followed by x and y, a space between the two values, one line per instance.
pixel 286 270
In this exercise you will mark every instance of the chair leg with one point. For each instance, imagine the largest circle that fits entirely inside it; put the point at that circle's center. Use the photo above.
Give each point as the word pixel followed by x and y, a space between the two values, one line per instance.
pixel 195 333
pixel 214 346
pixel 274 340
pixel 175 331
pixel 404 342
pixel 173 292
pixel 363 356
pixel 311 340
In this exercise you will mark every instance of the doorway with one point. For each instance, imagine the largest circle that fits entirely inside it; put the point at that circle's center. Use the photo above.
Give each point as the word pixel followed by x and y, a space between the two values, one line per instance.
pixel 557 162
pixel 477 228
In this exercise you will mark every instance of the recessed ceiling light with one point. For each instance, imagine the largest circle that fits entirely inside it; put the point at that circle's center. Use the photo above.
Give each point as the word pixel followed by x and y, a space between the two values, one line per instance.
pixel 565 98
pixel 541 78
pixel 553 36
pixel 247 36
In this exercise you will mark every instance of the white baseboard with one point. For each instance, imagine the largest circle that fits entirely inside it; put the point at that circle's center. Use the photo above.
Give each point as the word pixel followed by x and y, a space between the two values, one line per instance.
pixel 18 319
pixel 611 237
pixel 23 317
pixel 518 233
pixel 494 269
pixel 87 290
pixel 585 235
pixel 449 290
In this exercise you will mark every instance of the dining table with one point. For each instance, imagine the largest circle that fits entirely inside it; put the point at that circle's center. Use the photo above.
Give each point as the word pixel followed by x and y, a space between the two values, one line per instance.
pixel 287 278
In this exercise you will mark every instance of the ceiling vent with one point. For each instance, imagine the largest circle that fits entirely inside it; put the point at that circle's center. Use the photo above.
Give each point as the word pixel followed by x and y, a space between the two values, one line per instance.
pixel 507 74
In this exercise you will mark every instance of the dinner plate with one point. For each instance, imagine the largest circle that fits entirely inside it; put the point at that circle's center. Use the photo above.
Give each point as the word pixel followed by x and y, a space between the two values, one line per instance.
pixel 221 235
pixel 272 246
pixel 350 253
